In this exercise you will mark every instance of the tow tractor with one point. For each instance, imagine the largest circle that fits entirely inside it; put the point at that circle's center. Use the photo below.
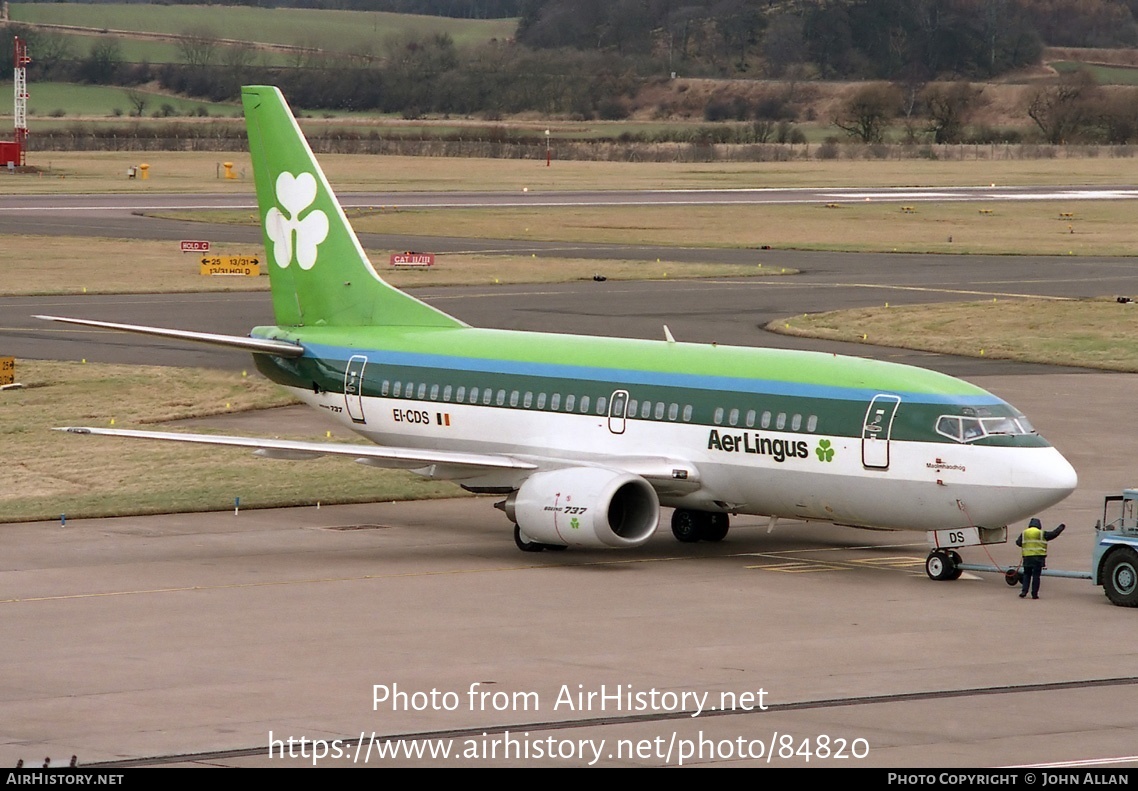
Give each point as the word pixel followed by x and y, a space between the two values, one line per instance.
pixel 1114 558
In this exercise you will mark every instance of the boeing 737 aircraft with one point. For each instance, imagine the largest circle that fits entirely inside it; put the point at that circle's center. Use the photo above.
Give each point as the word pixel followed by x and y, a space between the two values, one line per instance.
pixel 588 437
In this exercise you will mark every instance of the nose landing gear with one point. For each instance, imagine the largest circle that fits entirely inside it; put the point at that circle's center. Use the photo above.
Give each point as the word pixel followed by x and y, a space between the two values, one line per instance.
pixel 943 565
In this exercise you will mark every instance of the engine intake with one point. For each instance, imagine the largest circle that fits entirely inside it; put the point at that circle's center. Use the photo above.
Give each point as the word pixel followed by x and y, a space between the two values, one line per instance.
pixel 586 507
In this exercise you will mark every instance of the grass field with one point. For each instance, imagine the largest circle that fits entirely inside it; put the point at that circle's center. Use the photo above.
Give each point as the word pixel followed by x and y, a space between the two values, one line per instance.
pixel 1009 228
pixel 1101 228
pixel 51 98
pixel 357 32
pixel 1103 74
pixel 131 50
pixel 185 171
pixel 47 473
pixel 1087 333
pixel 84 265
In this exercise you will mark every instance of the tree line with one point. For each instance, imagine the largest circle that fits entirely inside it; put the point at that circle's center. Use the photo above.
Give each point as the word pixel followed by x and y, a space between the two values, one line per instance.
pixel 1073 110
pixel 413 77
pixel 831 39
pixel 459 9
pixel 433 75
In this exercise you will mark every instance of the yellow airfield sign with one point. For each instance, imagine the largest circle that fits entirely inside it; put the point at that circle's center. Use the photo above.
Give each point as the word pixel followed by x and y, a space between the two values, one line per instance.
pixel 231 265
pixel 7 370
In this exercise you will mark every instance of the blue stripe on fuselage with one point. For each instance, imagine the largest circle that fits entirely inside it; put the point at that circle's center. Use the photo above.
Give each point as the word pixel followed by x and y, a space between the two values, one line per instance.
pixel 633 377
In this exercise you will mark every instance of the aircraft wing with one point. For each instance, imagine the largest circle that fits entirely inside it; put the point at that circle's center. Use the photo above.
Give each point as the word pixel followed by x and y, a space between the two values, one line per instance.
pixel 460 463
pixel 666 475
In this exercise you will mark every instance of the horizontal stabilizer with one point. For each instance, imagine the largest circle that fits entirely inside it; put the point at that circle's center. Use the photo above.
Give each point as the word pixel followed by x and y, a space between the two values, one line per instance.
pixel 379 456
pixel 255 345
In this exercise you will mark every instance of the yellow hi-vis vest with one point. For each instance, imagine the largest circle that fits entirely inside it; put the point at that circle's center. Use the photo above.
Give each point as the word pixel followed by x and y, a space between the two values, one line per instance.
pixel 1033 543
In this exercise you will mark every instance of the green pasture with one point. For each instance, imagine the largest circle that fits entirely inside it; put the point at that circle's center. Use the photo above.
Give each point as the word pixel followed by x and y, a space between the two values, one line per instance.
pixel 61 99
pixel 1086 333
pixel 356 32
pixel 1104 74
pixel 185 171
pixel 1075 228
pixel 89 265
pixel 47 473
pixel 131 50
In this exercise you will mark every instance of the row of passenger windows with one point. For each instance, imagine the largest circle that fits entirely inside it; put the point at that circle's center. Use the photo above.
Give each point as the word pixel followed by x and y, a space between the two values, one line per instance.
pixel 765 420
pixel 555 402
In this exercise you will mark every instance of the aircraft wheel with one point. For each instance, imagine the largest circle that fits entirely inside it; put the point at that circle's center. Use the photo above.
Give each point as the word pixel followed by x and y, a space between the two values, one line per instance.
pixel 939 566
pixel 688 526
pixel 956 561
pixel 716 527
pixel 1120 578
pixel 524 544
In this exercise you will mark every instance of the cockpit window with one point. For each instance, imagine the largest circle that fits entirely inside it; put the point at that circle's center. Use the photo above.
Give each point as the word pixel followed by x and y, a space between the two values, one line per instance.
pixel 966 429
pixel 1001 425
pixel 949 427
pixel 973 428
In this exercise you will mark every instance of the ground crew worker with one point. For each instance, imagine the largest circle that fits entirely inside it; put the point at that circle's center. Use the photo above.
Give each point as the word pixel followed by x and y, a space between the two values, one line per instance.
pixel 1033 541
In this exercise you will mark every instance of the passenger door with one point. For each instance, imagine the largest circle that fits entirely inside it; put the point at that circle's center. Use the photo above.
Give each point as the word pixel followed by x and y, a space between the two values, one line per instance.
pixel 876 430
pixel 353 388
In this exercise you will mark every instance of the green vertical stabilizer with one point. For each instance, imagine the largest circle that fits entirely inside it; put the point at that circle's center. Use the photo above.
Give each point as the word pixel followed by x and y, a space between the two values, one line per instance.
pixel 319 273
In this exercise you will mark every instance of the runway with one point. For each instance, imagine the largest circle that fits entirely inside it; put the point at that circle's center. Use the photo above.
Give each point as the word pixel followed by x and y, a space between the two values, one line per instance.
pixel 28 205
pixel 205 639
pixel 122 215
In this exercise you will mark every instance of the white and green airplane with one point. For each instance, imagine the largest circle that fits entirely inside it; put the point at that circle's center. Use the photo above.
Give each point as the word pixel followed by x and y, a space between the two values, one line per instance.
pixel 588 437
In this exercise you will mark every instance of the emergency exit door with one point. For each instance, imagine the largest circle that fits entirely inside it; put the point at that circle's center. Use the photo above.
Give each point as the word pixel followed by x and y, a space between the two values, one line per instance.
pixel 617 406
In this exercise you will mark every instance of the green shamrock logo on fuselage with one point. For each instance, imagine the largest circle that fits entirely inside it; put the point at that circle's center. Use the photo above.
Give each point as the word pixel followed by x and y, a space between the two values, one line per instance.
pixel 824 451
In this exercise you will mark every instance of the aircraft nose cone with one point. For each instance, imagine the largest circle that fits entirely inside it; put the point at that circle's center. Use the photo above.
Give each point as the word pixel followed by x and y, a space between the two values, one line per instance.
pixel 1052 480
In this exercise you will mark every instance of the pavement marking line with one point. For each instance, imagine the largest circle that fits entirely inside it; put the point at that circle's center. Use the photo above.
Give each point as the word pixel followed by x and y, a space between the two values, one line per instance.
pixel 98 209
pixel 319 580
pixel 1121 759
pixel 849 548
pixel 702 284
pixel 967 292
pixel 314 580
pixel 800 567
pixel 901 561
pixel 490 294
pixel 778 281
pixel 793 565
pixel 141 298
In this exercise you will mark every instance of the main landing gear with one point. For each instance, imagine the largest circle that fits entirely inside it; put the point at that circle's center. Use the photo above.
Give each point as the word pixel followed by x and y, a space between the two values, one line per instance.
pixel 692 526
pixel 943 565
pixel 525 545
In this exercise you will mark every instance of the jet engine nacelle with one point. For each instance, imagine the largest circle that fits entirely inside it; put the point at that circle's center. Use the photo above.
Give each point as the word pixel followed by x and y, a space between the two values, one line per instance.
pixel 586 507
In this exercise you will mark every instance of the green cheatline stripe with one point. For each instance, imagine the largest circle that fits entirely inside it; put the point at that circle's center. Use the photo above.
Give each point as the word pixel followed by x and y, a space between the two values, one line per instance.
pixel 726 410
pixel 541 353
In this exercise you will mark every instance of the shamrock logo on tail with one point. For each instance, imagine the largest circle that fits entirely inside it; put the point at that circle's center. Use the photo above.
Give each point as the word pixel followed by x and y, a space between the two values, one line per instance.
pixel 295 194
pixel 824 451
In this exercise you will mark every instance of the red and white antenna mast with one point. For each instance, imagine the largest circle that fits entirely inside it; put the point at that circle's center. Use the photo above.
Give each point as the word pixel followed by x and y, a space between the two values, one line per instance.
pixel 22 61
